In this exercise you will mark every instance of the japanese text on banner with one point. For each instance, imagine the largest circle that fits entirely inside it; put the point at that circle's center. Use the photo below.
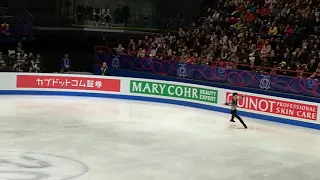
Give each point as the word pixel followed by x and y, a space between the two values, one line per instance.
pixel 66 82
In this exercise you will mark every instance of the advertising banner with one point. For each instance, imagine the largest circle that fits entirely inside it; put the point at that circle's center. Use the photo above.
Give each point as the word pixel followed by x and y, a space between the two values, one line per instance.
pixel 277 107
pixel 174 90
pixel 68 82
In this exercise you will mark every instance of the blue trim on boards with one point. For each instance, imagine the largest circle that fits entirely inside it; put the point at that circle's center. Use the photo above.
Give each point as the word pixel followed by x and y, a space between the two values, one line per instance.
pixel 134 74
pixel 159 100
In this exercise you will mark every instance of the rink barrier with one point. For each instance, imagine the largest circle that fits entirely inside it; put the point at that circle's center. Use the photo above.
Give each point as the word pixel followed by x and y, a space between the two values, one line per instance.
pixel 134 74
pixel 209 98
pixel 159 100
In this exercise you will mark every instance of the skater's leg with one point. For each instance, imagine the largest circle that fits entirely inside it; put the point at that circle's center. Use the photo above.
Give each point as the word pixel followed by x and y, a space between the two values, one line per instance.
pixel 238 117
pixel 232 116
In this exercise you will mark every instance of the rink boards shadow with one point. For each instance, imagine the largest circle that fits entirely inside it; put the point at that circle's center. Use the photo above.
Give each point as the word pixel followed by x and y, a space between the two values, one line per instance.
pixel 159 100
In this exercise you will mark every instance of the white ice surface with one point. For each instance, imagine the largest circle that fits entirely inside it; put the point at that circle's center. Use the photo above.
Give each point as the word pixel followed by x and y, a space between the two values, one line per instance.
pixel 57 138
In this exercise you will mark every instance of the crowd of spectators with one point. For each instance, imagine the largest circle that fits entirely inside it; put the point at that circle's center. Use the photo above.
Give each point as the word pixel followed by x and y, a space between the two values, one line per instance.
pixel 19 61
pixel 86 14
pixel 275 36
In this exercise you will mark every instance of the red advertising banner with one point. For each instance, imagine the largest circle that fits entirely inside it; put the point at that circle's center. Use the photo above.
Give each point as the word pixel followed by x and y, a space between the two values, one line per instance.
pixel 68 82
pixel 275 106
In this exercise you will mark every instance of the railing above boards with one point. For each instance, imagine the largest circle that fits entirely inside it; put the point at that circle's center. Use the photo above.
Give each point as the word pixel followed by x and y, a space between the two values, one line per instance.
pixel 223 64
pixel 216 74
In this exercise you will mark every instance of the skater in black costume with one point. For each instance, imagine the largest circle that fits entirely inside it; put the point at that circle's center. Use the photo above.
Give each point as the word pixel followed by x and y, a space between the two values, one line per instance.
pixel 234 104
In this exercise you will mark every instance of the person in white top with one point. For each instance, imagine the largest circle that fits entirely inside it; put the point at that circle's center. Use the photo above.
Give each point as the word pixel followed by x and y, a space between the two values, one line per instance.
pixel 120 50
pixel 97 14
pixel 106 15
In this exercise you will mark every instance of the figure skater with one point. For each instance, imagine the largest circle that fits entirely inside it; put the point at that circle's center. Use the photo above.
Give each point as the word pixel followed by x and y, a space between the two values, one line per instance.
pixel 234 104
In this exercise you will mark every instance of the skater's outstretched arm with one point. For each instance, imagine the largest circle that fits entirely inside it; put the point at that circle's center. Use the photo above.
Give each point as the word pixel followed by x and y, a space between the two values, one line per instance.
pixel 228 103
pixel 231 101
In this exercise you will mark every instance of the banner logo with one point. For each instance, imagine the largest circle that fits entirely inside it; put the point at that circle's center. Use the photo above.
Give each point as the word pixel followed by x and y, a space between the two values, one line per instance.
pixel 115 62
pixel 310 83
pixel 148 62
pixel 221 72
pixel 265 82
pixel 175 91
pixel 182 70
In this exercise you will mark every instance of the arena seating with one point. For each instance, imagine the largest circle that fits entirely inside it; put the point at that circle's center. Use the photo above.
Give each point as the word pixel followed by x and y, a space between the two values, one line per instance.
pixel 270 37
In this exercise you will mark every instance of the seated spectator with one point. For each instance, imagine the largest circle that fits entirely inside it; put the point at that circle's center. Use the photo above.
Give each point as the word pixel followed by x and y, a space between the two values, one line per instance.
pixel 252 7
pixel 3 63
pixel 153 51
pixel 260 43
pixel 286 10
pixel 22 55
pixel 133 51
pixel 120 50
pixel 141 53
pixel 266 49
pixel 175 57
pixel 190 58
pixel 265 11
pixel 19 47
pixel 38 59
pixel 249 17
pixel 104 69
pixel 275 10
pixel 30 57
pixel 34 67
pixel 273 30
pixel 88 13
pixel 233 58
pixel 65 65
pixel 131 43
pixel 147 48
pixel 316 74
pixel 224 55
pixel 183 57
pixel 12 56
pixel 97 14
pixel 21 59
pixel 80 12
pixel 105 15
pixel 288 30
pixel 35 63
pixel 311 67
pixel 17 67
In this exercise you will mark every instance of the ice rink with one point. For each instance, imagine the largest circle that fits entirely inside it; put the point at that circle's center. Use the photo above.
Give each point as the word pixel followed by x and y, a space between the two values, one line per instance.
pixel 64 138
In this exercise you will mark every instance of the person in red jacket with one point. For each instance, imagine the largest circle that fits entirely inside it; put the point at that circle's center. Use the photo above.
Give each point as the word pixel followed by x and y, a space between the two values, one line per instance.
pixel 248 17
pixel 288 31
pixel 265 11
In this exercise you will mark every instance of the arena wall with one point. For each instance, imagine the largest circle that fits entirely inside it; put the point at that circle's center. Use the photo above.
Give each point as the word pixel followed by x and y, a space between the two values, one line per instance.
pixel 265 107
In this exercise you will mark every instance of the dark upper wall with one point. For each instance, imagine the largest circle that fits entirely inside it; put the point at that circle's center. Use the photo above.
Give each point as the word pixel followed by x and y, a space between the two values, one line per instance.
pixel 185 7
pixel 56 9
pixel 49 10
pixel 4 3
pixel 32 3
